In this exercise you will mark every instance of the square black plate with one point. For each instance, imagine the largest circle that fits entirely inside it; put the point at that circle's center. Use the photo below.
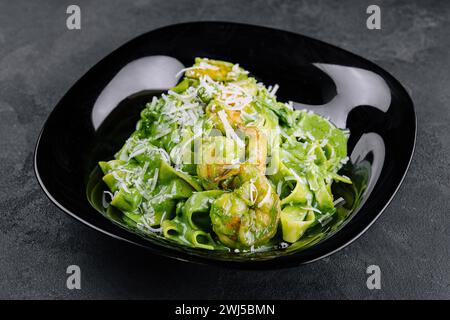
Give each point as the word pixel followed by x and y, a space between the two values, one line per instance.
pixel 352 91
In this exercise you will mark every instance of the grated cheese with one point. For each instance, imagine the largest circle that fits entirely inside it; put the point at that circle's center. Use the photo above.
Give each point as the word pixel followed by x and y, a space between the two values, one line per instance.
pixel 274 90
pixel 228 129
pixel 266 197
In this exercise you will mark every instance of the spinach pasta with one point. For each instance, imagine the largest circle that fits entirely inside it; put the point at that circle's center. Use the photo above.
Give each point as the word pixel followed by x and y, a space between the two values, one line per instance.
pixel 217 163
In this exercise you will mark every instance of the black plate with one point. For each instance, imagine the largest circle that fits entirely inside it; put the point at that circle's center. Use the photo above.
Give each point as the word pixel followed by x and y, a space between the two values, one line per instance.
pixel 352 91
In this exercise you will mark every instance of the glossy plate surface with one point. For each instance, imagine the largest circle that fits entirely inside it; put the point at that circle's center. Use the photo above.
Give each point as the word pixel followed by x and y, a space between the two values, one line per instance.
pixel 98 113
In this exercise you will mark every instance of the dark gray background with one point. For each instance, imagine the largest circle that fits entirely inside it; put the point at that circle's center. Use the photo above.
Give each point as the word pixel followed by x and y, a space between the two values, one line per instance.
pixel 40 59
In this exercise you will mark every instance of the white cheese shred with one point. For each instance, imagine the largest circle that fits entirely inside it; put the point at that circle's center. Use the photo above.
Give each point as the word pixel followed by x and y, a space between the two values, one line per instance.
pixel 229 130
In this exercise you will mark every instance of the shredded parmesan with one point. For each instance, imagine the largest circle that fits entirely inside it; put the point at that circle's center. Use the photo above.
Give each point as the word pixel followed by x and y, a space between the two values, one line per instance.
pixel 274 90
pixel 339 201
pixel 312 209
pixel 164 154
pixel 154 180
pixel 203 66
pixel 228 129
pixel 137 152
pixel 266 197
pixel 252 189
pixel 161 134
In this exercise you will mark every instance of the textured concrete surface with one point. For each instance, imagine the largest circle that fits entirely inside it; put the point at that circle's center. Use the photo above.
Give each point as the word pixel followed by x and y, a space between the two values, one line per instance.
pixel 40 59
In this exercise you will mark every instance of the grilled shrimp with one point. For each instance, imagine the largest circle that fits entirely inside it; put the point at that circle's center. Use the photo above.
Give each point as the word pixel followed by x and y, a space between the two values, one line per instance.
pixel 220 157
pixel 256 147
pixel 249 215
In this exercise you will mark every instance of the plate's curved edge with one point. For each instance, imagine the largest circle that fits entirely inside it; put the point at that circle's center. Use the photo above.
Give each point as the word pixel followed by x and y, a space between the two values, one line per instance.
pixel 387 203
pixel 249 264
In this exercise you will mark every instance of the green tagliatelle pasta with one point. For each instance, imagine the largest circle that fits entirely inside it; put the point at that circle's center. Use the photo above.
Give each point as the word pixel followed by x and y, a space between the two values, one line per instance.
pixel 218 163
